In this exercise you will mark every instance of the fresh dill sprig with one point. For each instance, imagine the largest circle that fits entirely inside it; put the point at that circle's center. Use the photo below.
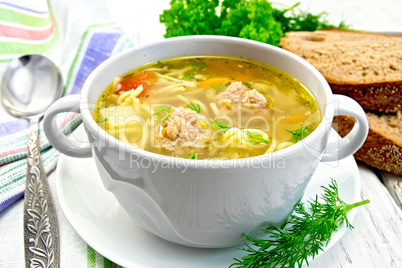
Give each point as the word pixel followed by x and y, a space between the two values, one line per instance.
pixel 219 87
pixel 299 134
pixel 163 119
pixel 193 156
pixel 196 68
pixel 302 235
pixel 195 108
pixel 254 139
pixel 163 111
pixel 219 126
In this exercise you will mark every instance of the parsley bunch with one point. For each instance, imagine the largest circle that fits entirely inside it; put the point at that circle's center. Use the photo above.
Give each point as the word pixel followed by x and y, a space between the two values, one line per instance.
pixel 251 19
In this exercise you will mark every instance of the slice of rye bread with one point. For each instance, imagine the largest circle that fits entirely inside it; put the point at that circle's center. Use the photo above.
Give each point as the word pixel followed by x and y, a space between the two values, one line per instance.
pixel 383 146
pixel 365 66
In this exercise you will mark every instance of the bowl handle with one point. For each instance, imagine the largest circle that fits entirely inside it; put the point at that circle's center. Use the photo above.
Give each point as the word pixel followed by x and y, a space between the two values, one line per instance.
pixel 59 141
pixel 349 144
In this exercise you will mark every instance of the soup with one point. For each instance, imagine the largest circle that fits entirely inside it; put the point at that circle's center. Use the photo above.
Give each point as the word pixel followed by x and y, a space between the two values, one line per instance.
pixel 207 107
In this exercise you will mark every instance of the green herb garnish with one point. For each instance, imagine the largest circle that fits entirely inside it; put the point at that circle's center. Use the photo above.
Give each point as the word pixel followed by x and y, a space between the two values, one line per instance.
pixel 255 139
pixel 163 110
pixel 219 126
pixel 299 20
pixel 302 235
pixel 218 88
pixel 193 156
pixel 299 134
pixel 159 64
pixel 195 108
pixel 196 68
pixel 163 119
pixel 251 19
pixel 104 120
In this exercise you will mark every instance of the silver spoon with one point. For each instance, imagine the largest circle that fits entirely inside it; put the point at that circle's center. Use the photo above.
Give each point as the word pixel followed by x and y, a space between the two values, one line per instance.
pixel 30 85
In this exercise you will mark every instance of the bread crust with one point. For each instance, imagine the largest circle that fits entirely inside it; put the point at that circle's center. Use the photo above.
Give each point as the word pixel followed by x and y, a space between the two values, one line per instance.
pixel 368 68
pixel 379 97
pixel 365 66
pixel 380 150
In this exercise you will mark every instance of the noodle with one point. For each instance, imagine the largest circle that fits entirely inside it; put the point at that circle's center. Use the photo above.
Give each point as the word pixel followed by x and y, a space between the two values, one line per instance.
pixel 272 148
pixel 136 106
pixel 123 97
pixel 180 71
pixel 187 83
pixel 174 87
pixel 137 92
pixel 184 99
pixel 215 109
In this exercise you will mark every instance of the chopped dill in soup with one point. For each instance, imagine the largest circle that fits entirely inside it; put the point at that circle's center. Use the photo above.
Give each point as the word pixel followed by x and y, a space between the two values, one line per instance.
pixel 207 107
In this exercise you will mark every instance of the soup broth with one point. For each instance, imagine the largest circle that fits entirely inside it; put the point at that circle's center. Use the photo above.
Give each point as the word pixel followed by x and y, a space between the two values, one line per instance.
pixel 207 107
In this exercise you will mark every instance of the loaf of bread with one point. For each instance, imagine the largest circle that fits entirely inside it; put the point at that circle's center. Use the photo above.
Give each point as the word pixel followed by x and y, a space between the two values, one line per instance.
pixel 365 66
pixel 383 146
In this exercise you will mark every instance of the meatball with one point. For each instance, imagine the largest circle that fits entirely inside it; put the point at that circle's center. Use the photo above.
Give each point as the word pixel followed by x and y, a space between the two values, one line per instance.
pixel 237 94
pixel 184 129
pixel 254 99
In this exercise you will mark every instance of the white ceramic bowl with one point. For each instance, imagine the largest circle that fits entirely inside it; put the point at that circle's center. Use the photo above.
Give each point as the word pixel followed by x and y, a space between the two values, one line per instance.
pixel 207 203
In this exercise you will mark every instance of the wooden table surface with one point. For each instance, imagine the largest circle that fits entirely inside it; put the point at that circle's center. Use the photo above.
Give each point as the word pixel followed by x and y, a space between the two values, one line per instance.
pixel 376 240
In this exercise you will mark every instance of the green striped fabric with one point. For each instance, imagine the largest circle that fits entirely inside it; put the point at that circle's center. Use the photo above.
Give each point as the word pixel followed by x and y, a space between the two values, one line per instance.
pixel 26 31
pixel 24 19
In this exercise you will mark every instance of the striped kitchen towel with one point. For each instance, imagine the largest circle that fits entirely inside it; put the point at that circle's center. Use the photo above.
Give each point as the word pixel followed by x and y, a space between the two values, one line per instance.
pixel 77 35
pixel 13 153
pixel 96 43
pixel 25 29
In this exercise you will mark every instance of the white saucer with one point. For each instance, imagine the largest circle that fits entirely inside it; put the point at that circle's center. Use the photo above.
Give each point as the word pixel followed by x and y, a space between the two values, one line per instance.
pixel 97 217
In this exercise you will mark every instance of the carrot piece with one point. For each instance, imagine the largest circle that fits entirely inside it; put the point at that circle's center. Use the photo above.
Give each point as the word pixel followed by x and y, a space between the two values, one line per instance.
pixel 213 82
pixel 144 78
pixel 238 74
pixel 297 118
